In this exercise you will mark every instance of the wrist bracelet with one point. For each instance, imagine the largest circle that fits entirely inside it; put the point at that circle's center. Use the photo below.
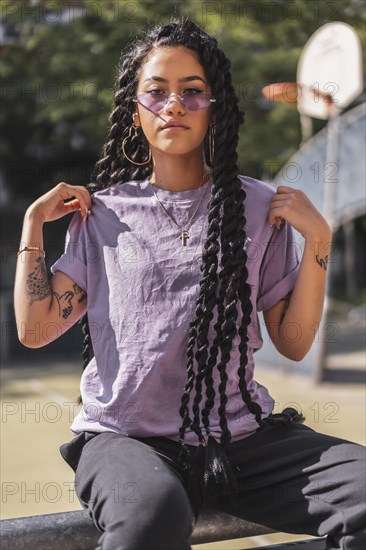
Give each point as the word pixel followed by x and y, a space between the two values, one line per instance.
pixel 32 249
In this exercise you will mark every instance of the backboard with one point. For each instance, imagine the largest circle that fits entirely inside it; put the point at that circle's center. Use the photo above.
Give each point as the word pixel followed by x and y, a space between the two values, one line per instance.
pixel 329 70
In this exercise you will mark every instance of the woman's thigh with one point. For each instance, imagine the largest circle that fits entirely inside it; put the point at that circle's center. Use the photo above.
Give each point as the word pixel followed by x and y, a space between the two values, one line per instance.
pixel 294 479
pixel 133 496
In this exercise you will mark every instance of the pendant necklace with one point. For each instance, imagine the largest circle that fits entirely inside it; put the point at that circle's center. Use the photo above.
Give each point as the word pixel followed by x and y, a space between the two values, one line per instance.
pixel 184 235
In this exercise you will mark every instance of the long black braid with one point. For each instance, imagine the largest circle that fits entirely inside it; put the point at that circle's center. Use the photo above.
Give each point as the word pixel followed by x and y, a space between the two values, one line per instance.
pixel 222 289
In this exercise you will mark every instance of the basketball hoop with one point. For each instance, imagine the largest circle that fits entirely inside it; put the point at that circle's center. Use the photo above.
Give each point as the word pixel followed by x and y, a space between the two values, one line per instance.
pixel 291 92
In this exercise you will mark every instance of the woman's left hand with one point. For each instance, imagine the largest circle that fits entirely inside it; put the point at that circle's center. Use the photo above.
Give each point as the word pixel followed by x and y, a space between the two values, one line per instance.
pixel 295 207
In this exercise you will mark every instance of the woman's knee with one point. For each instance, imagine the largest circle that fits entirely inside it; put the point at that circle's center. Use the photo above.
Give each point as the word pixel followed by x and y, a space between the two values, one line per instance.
pixel 354 475
pixel 131 491
pixel 161 520
pixel 354 467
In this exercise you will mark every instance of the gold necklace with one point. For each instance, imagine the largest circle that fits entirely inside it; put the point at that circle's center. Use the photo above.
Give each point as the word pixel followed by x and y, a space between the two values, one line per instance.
pixel 184 235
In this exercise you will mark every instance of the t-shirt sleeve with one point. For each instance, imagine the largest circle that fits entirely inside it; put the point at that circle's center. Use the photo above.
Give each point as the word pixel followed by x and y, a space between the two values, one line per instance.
pixel 73 260
pixel 279 268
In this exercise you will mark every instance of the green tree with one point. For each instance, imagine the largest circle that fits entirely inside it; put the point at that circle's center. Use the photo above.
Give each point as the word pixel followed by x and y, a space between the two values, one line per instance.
pixel 57 80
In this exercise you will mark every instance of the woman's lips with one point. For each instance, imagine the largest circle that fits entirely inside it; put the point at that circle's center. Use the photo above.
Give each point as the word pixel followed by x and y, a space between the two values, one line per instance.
pixel 174 128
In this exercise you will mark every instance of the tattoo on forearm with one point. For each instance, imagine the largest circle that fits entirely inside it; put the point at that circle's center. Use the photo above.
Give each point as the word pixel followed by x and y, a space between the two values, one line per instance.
pixel 286 299
pixel 38 285
pixel 323 262
pixel 65 306
pixel 64 303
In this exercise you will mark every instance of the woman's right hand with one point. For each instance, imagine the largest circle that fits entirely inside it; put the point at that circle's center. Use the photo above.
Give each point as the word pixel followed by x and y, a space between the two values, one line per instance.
pixel 51 205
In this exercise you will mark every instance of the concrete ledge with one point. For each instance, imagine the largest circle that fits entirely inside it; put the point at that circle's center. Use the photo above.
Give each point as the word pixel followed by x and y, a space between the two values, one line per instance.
pixel 76 531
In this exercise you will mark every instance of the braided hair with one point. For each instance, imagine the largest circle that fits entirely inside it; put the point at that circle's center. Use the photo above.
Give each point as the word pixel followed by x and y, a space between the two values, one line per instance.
pixel 224 289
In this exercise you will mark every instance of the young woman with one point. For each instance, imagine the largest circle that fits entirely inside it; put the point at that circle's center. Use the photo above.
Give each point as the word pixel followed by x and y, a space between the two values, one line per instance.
pixel 171 254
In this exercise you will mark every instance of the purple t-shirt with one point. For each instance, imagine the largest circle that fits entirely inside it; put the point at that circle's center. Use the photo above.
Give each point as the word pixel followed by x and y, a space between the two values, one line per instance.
pixel 142 286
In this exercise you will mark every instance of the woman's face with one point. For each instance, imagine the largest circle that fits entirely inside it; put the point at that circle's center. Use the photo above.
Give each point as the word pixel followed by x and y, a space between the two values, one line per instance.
pixel 168 71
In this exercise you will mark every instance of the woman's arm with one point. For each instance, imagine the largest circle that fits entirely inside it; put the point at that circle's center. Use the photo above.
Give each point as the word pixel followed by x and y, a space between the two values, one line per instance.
pixel 45 309
pixel 292 323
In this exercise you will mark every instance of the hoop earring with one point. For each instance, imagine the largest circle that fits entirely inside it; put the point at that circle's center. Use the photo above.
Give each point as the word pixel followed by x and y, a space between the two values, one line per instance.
pixel 131 129
pixel 211 142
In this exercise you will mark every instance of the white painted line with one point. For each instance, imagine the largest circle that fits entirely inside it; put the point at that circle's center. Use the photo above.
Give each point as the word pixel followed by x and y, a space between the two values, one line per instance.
pixel 42 388
pixel 341 360
pixel 259 540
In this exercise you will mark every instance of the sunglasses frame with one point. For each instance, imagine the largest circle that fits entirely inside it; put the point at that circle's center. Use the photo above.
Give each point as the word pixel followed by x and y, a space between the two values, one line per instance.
pixel 167 98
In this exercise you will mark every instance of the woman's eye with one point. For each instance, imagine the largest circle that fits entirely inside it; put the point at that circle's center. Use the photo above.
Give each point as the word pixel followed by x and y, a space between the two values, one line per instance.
pixel 192 91
pixel 155 92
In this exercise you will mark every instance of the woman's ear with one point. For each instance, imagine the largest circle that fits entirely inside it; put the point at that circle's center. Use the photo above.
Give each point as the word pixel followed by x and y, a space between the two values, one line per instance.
pixel 136 120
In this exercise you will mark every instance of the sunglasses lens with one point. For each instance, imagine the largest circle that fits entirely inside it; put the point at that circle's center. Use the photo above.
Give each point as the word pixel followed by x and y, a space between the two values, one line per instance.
pixel 196 102
pixel 151 102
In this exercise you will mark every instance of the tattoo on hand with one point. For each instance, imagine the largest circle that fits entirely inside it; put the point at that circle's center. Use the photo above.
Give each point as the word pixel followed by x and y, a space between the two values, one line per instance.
pixel 38 285
pixel 287 299
pixel 323 262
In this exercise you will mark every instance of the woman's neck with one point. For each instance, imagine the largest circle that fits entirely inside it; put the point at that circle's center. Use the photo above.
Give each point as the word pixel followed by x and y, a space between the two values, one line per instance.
pixel 178 173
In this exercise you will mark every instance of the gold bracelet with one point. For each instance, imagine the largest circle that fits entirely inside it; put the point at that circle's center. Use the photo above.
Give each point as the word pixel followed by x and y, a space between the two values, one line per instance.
pixel 31 249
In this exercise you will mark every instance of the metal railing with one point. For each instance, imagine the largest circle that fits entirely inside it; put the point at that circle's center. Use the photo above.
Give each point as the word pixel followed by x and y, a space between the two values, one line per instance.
pixel 76 531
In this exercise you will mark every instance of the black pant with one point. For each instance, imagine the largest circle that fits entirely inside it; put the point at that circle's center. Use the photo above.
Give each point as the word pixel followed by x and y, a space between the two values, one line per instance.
pixel 291 479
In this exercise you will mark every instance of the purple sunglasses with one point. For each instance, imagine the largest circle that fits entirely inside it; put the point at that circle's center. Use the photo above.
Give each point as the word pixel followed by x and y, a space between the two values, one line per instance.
pixel 190 101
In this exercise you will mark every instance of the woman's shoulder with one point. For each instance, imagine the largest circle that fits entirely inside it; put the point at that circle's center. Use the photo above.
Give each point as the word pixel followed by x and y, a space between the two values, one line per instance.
pixel 122 189
pixel 258 189
pixel 258 197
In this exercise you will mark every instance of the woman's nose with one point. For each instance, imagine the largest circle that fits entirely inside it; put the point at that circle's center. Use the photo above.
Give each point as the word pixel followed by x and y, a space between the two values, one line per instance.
pixel 174 104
